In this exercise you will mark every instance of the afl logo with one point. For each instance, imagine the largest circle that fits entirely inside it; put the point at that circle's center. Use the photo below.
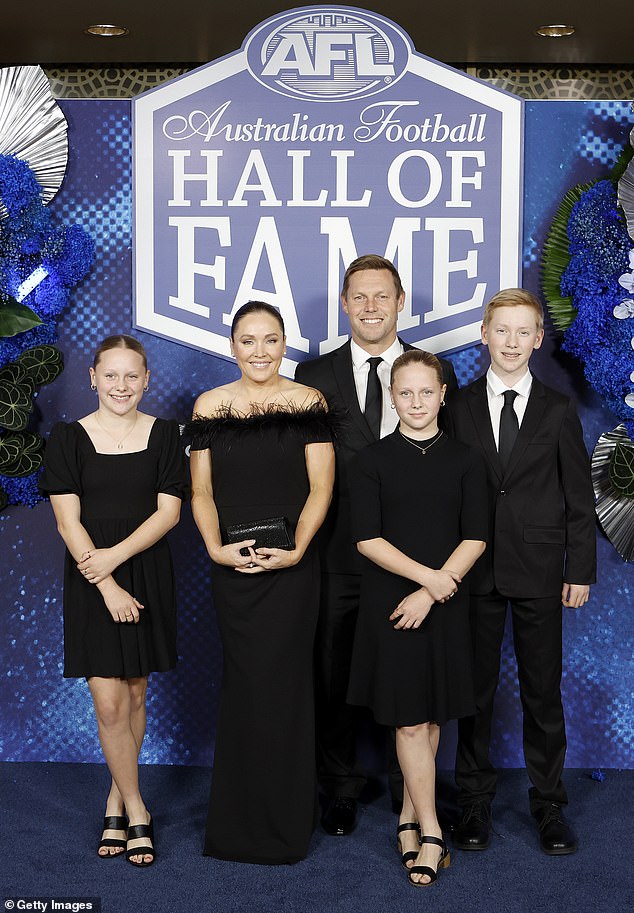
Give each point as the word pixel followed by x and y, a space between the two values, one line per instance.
pixel 327 53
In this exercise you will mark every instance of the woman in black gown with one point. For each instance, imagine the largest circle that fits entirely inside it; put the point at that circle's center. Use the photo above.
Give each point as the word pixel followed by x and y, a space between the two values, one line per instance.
pixel 261 448
pixel 116 479
pixel 419 515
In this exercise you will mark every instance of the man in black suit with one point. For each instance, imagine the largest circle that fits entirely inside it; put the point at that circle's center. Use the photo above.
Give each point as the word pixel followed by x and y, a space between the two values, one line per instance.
pixel 541 553
pixel 371 296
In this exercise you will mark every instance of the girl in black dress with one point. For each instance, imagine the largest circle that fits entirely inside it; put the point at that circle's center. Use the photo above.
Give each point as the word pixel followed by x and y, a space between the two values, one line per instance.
pixel 261 448
pixel 419 516
pixel 116 480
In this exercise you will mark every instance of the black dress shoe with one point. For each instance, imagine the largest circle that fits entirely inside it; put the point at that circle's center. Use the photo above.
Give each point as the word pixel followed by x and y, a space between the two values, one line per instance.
pixel 556 837
pixel 340 816
pixel 474 830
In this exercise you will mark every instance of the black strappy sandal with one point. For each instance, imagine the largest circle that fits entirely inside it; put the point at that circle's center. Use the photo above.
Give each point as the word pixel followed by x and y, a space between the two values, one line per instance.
pixel 410 854
pixel 432 874
pixel 113 823
pixel 136 831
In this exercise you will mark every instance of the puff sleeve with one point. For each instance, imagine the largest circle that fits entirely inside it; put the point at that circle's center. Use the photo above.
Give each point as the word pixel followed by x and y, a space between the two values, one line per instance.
pixel 61 475
pixel 172 472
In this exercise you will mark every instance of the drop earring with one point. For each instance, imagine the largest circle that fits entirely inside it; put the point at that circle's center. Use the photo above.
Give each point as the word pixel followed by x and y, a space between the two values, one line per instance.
pixel 93 387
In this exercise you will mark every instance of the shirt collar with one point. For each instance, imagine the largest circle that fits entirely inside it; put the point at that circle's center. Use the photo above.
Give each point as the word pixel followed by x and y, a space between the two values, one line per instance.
pixel 360 356
pixel 497 386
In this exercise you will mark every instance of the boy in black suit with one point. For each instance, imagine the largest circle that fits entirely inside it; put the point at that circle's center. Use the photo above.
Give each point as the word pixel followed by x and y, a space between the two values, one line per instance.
pixel 542 553
pixel 354 379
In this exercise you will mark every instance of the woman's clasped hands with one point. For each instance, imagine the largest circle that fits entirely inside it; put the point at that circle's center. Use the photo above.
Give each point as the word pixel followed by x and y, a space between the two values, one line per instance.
pixel 257 561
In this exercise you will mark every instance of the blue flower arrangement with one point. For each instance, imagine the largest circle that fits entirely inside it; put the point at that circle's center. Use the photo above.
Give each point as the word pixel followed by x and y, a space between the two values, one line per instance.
pixel 588 283
pixel 596 280
pixel 40 264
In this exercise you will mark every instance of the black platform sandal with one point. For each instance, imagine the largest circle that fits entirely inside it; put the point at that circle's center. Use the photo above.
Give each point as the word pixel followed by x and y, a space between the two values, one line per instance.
pixel 443 862
pixel 136 831
pixel 410 854
pixel 113 823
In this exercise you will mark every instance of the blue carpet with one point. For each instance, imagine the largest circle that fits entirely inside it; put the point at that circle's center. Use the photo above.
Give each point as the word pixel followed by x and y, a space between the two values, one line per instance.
pixel 51 815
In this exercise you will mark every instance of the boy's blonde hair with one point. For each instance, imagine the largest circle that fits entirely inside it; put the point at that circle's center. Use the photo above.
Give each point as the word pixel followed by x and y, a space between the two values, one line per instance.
pixel 513 297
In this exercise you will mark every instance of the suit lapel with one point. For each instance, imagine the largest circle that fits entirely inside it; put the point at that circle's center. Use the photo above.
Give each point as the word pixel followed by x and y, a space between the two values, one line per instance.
pixel 479 407
pixel 342 369
pixel 530 423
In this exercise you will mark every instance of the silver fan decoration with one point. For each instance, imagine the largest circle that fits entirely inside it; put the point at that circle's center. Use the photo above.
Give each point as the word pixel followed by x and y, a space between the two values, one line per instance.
pixel 32 127
pixel 615 512
pixel 626 192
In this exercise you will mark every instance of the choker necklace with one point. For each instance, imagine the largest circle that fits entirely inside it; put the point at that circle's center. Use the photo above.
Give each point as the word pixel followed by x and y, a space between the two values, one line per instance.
pixel 119 442
pixel 428 444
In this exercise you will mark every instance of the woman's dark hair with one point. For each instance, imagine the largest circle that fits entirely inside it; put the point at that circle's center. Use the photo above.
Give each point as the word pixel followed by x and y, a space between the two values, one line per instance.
pixel 119 341
pixel 256 307
pixel 417 357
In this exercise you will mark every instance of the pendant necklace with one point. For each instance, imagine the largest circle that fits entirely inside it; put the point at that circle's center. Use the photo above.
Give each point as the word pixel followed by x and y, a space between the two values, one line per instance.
pixel 119 442
pixel 428 444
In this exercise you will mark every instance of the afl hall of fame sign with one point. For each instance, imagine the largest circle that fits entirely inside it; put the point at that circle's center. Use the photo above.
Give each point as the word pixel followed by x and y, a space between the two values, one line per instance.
pixel 262 175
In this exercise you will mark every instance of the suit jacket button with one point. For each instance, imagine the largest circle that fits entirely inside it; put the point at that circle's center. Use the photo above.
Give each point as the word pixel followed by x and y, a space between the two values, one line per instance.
pixel 502 492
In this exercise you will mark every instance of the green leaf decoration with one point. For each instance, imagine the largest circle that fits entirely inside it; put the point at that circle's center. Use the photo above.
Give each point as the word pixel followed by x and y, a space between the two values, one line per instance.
pixel 15 373
pixel 556 258
pixel 42 363
pixel 21 453
pixel 9 451
pixel 4 499
pixel 15 405
pixel 621 470
pixel 16 318
pixel 621 163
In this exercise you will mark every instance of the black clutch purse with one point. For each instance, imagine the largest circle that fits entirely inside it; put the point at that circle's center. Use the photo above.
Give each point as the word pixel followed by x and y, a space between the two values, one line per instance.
pixel 274 532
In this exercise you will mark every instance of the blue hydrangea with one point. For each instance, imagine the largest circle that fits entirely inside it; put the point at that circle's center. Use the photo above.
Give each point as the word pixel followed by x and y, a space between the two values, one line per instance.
pixel 599 254
pixel 29 240
pixel 22 490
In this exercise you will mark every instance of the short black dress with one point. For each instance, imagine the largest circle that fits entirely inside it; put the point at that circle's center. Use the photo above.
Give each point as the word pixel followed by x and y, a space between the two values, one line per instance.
pixel 262 805
pixel 117 493
pixel 424 505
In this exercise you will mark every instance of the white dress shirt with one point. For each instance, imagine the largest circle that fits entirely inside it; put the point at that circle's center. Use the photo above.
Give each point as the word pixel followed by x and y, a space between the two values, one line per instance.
pixel 361 369
pixel 495 395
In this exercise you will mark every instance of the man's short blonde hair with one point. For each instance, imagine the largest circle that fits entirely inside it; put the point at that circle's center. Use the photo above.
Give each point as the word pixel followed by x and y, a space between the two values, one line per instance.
pixel 375 262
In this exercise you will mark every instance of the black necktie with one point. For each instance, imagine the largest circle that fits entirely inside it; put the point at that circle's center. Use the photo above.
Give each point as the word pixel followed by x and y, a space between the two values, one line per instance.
pixel 374 398
pixel 509 426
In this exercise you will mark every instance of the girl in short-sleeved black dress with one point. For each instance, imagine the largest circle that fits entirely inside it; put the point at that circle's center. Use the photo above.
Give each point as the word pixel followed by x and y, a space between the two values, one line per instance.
pixel 117 493
pixel 419 517
pixel 425 506
pixel 116 479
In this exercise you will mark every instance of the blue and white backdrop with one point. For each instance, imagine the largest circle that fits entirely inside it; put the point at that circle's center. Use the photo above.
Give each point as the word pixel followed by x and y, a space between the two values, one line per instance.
pixel 412 160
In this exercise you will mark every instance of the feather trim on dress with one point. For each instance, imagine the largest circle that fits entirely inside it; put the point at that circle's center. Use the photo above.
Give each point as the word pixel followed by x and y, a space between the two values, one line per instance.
pixel 314 422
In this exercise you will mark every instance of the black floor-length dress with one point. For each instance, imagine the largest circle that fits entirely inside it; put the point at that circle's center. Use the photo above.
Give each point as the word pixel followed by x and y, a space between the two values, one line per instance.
pixel 263 794
pixel 117 492
pixel 424 505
